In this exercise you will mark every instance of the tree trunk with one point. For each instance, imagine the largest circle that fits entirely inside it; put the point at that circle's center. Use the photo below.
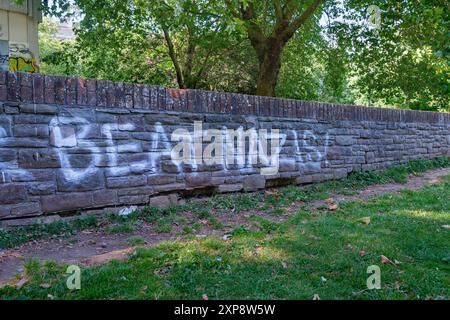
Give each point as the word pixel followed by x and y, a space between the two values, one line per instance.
pixel 269 68
pixel 173 57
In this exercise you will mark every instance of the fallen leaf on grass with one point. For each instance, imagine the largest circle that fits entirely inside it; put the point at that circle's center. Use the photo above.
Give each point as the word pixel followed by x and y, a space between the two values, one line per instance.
pixel 143 290
pixel 45 285
pixel 257 251
pixel 365 220
pixel 386 260
pixel 436 180
pixel 21 282
pixel 316 297
pixel 108 256
pixel 10 255
pixel 291 209
pixel 362 253
pixel 333 207
pixel 272 193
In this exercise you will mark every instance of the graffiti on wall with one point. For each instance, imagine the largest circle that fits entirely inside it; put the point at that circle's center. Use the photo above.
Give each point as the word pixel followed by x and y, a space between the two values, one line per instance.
pixel 233 151
pixel 21 58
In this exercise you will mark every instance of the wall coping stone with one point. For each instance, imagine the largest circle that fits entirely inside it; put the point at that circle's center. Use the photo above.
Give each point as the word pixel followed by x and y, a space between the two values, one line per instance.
pixel 36 88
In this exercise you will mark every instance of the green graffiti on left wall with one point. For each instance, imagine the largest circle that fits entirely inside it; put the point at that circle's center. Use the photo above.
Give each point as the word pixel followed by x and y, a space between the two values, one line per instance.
pixel 21 58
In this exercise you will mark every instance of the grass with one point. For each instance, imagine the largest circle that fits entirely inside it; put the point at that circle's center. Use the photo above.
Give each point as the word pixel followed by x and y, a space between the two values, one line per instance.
pixel 325 253
pixel 164 218
pixel 121 228
pixel 136 241
pixel 17 236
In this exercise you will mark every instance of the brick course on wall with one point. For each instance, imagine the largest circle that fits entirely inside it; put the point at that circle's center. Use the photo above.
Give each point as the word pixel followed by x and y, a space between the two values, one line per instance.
pixel 71 144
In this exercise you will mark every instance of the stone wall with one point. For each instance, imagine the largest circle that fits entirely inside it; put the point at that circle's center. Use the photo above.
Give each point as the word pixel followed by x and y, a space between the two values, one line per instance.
pixel 69 144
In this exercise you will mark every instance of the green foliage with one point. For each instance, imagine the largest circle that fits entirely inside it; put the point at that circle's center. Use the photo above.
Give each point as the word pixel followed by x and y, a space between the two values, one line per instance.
pixel 335 57
pixel 57 57
pixel 403 63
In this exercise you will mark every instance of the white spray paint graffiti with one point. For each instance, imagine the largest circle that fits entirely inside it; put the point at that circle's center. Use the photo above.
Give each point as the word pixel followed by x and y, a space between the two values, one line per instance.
pixel 7 168
pixel 239 148
pixel 230 149
pixel 160 137
pixel 113 150
pixel 62 143
pixel 311 153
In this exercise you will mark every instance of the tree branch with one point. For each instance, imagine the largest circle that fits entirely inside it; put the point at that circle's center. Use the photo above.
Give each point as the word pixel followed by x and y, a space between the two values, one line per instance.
pixel 173 57
pixel 297 23
pixel 230 7
pixel 278 10
pixel 190 52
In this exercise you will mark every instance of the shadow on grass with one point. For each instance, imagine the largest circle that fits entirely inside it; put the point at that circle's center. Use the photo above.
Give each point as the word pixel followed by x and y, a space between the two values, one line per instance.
pixel 326 254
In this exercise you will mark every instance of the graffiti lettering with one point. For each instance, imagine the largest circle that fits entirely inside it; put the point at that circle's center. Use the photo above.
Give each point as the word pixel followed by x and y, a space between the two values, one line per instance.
pixel 235 148
pixel 21 58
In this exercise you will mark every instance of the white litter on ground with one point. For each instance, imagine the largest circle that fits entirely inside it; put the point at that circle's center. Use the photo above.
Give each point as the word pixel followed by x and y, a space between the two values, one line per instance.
pixel 127 211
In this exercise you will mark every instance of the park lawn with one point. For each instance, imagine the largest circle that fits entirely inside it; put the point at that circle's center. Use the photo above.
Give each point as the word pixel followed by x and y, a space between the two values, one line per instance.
pixel 323 253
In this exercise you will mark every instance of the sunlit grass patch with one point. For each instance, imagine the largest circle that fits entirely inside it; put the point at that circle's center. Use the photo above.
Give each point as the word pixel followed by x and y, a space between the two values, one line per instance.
pixel 325 254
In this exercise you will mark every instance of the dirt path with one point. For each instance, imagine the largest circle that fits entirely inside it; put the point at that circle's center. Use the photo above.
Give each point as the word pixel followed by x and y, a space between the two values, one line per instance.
pixel 414 183
pixel 96 247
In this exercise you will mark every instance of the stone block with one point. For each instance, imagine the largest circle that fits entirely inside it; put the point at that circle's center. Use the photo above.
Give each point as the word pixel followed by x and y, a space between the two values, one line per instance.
pixel 37 159
pixel 336 153
pixel 126 182
pixel 160 179
pixel 145 190
pixel 311 167
pixel 63 137
pixel 7 155
pixel 196 180
pixel 105 197
pixel 225 188
pixel 24 209
pixel 40 189
pixel 160 201
pixel 66 202
pixel 70 181
pixel 137 199
pixel 12 193
pixel 38 108
pixel 254 182
pixel 38 131
pixel 345 140
pixel 23 143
